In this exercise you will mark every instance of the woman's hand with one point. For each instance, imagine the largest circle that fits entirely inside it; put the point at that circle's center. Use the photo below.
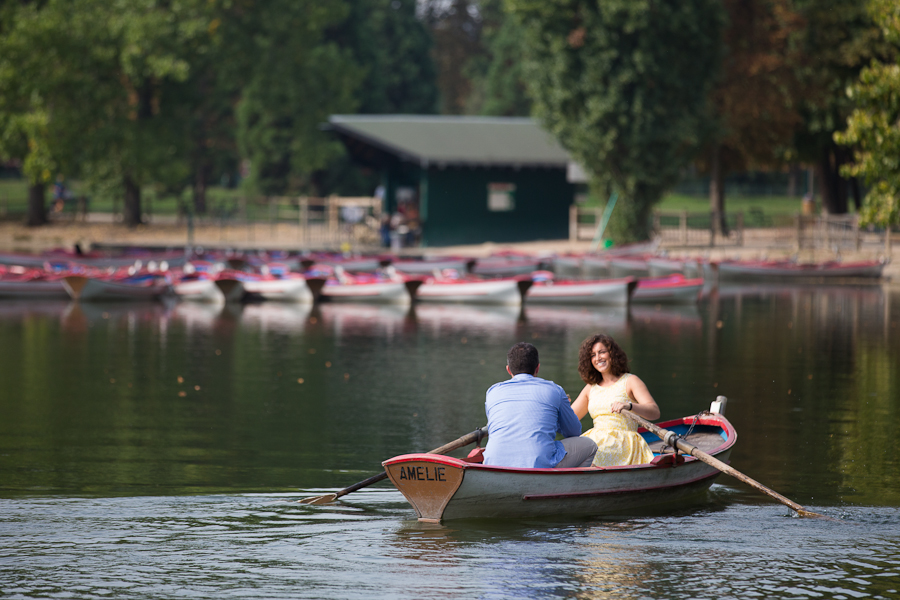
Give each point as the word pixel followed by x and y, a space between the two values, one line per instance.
pixel 618 407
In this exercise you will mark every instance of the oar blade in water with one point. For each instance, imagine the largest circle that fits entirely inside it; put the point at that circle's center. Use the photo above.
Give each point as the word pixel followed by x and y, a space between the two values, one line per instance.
pixel 326 499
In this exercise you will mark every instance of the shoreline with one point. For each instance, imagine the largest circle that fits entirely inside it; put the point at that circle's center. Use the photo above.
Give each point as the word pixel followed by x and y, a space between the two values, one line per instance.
pixel 758 244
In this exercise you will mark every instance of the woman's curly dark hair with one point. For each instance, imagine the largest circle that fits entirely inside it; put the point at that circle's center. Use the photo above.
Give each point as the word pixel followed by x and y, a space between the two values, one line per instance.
pixel 618 362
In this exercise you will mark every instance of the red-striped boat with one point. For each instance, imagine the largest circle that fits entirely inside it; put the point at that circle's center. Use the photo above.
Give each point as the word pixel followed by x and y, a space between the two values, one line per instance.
pixel 443 488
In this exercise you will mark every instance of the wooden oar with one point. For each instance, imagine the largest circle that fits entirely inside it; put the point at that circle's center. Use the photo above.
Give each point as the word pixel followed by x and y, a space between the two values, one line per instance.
pixel 671 438
pixel 469 438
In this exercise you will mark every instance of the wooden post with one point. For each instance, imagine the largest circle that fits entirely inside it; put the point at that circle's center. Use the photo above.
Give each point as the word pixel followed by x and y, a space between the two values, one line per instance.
pixel 858 237
pixel 573 223
pixel 887 241
pixel 799 218
pixel 304 217
pixel 739 225
pixel 332 218
pixel 683 226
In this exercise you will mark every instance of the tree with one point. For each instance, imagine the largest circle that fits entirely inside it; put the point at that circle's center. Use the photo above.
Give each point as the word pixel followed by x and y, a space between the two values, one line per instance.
pixel 873 128
pixel 24 118
pixel 623 84
pixel 298 79
pixel 754 97
pixel 393 48
pixel 838 39
pixel 497 74
pixel 101 75
pixel 456 28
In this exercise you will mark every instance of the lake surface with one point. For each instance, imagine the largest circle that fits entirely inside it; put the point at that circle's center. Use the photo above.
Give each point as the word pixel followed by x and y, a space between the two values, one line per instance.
pixel 154 451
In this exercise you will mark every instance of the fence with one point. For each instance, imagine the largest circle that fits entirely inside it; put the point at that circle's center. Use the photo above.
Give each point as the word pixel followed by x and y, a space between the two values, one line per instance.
pixel 308 222
pixel 673 228
pixel 799 232
pixel 699 229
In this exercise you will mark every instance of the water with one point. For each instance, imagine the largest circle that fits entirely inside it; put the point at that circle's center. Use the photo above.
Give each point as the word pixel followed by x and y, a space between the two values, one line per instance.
pixel 157 451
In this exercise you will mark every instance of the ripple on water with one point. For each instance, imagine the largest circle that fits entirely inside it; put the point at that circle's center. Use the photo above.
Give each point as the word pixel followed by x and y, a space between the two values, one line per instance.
pixel 269 546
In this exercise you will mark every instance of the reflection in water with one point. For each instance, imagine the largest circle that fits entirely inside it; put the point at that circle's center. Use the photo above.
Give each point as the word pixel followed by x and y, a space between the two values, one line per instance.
pixel 119 424
pixel 359 319
pixel 496 322
pixel 605 318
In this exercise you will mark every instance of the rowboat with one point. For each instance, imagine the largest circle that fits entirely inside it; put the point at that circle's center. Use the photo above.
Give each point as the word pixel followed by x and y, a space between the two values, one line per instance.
pixel 629 267
pixel 428 266
pixel 19 282
pixel 442 488
pixel 755 270
pixel 392 292
pixel 660 267
pixel 615 292
pixel 568 265
pixel 505 265
pixel 100 289
pixel 673 289
pixel 474 291
pixel 288 289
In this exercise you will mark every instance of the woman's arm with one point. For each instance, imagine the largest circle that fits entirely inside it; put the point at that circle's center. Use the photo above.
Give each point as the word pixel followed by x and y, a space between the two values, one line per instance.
pixel 642 403
pixel 580 406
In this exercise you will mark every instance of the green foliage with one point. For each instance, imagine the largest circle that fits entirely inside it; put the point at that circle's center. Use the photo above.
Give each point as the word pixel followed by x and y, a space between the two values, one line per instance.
pixel 497 74
pixel 298 79
pixel 393 48
pixel 873 128
pixel 623 84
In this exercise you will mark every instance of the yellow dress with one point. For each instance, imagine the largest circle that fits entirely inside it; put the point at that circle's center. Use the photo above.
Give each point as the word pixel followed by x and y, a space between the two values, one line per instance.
pixel 618 442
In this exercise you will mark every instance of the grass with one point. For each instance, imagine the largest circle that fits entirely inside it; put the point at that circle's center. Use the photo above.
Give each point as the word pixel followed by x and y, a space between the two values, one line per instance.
pixel 221 201
pixel 759 211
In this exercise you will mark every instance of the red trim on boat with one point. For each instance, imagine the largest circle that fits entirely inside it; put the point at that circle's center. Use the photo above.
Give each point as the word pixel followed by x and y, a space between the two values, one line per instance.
pixel 616 492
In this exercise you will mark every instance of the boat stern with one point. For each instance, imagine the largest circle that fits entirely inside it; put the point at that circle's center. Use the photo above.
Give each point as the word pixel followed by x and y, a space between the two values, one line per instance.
pixel 428 481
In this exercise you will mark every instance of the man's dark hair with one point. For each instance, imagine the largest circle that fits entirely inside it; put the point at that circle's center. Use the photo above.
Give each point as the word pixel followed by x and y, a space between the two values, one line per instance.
pixel 522 358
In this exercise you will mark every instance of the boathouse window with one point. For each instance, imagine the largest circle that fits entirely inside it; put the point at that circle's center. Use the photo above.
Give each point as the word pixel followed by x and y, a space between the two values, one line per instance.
pixel 501 197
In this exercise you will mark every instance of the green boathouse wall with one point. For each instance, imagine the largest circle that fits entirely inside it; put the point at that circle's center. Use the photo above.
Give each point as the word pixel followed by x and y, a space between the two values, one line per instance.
pixel 454 205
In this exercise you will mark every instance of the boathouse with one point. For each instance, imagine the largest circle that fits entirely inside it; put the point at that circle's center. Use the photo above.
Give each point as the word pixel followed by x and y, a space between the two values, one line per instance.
pixel 465 180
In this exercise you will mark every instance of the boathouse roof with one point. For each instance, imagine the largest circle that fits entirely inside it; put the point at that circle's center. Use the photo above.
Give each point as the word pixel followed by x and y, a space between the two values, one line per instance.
pixel 453 140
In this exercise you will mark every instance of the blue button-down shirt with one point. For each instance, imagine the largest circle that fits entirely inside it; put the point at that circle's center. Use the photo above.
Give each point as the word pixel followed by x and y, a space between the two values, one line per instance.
pixel 524 415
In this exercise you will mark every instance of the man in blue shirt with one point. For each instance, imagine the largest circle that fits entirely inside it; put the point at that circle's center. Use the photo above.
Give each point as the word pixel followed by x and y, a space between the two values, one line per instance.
pixel 524 415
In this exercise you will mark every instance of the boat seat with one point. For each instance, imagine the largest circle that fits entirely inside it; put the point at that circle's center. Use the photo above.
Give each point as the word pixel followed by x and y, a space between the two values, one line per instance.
pixel 667 460
pixel 705 440
pixel 475 456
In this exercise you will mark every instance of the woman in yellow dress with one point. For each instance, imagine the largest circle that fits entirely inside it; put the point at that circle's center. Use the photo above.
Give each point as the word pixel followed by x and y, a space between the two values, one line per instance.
pixel 611 389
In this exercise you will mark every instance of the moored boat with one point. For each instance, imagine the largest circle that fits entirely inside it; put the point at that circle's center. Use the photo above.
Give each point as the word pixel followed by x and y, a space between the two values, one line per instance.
pixel 427 266
pixel 506 265
pixel 87 288
pixel 756 270
pixel 615 292
pixel 392 292
pixel 444 488
pixel 474 291
pixel 20 282
pixel 673 289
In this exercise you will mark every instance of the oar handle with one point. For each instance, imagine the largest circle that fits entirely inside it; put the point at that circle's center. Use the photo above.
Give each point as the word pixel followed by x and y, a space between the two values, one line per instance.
pixel 469 438
pixel 671 438
pixel 361 484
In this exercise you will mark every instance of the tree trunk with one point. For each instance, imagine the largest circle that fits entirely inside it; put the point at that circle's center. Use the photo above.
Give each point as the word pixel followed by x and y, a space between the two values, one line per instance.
pixel 131 212
pixel 857 195
pixel 833 187
pixel 37 209
pixel 717 192
pixel 200 184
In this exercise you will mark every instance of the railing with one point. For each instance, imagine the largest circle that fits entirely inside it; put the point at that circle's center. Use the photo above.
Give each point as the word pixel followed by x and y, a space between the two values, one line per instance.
pixel 307 222
pixel 316 222
pixel 682 228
